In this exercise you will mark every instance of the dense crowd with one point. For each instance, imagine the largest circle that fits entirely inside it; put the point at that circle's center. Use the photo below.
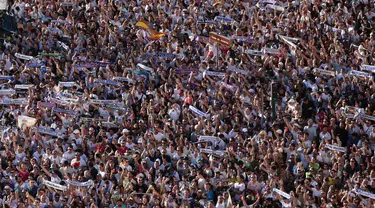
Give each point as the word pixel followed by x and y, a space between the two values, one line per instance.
pixel 135 104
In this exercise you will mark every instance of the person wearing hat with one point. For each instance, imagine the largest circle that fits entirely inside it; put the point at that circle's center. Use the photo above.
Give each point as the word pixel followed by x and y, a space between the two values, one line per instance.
pixel 77 137
pixel 125 132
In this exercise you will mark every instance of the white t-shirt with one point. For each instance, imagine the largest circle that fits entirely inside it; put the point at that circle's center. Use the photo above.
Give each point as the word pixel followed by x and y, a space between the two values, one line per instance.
pixel 240 186
pixel 159 136
pixel 325 135
pixel 104 113
pixel 68 156
pixel 82 162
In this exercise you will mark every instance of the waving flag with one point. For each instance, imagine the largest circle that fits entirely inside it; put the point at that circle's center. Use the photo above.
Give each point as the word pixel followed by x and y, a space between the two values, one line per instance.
pixel 153 34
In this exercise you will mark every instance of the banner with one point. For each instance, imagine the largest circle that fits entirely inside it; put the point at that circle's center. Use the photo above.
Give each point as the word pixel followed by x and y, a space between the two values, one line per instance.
pixel 24 86
pixel 24 57
pixel 108 82
pixel 221 40
pixel 288 40
pixel 109 125
pixel 209 22
pixel 64 111
pixel 211 139
pixel 34 65
pixel 74 100
pixel 146 68
pixel 216 153
pixel 359 73
pixel 76 95
pixel 80 184
pixel 368 117
pixel 271 51
pixel 281 193
pixel 49 54
pixel 254 52
pixel 85 65
pixel 18 101
pixel 87 120
pixel 25 121
pixel 244 39
pixel 240 71
pixel 6 78
pixel 122 79
pixel 212 73
pixel 115 107
pixel 275 7
pixel 66 37
pixel 102 102
pixel 368 68
pixel 101 63
pixel 67 84
pixel 354 112
pixel 54 185
pixel 324 72
pixel 185 70
pixel 267 1
pixel 92 64
pixel 48 131
pixel 46 105
pixel 63 22
pixel 335 148
pixel 163 55
pixel 364 193
pixel 66 4
pixel 7 92
pixel 223 19
pixel 69 97
pixel 198 112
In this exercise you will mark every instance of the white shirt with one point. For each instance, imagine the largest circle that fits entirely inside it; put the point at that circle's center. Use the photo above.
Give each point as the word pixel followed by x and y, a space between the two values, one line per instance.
pixel 240 186
pixel 82 162
pixel 159 136
pixel 68 156
pixel 325 135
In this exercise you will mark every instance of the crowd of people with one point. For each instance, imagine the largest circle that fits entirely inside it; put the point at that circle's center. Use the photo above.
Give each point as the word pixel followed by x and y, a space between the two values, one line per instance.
pixel 123 103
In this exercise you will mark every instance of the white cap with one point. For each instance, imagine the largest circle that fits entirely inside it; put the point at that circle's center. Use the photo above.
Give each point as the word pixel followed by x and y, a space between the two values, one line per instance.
pixel 76 131
pixel 125 131
pixel 279 131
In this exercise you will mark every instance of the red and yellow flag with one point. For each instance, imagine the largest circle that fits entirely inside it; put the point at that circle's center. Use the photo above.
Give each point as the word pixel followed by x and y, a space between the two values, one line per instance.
pixel 154 35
